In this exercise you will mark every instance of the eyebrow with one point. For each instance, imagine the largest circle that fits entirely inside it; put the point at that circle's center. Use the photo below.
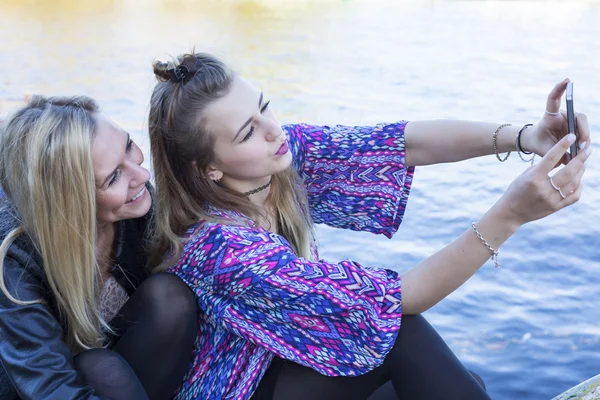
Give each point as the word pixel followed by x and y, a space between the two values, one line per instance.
pixel 248 120
pixel 115 170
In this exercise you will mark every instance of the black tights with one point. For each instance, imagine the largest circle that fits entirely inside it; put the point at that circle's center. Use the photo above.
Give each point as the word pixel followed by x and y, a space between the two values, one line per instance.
pixel 156 329
pixel 109 375
pixel 419 366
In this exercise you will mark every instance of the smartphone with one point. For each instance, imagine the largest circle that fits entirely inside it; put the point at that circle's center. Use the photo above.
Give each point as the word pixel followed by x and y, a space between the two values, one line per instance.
pixel 571 117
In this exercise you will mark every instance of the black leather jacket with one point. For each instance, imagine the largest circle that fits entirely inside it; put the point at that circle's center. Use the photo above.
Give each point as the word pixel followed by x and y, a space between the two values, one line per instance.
pixel 35 361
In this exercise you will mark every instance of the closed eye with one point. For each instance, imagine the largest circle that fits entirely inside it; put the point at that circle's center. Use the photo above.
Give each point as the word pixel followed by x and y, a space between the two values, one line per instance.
pixel 251 131
pixel 129 146
pixel 115 178
pixel 262 110
pixel 248 135
pixel 117 174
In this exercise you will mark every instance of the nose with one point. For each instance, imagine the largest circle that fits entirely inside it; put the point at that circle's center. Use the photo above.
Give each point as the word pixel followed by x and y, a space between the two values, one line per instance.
pixel 273 131
pixel 139 175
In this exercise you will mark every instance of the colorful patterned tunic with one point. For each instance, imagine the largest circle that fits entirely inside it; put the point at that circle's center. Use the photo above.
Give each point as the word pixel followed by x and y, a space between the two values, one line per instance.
pixel 259 299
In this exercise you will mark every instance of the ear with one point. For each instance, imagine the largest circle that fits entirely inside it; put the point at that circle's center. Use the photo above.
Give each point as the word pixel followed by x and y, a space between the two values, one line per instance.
pixel 215 174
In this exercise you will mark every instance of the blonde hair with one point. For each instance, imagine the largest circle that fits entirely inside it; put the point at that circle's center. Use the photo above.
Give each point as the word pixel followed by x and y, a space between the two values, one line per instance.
pixel 182 150
pixel 46 172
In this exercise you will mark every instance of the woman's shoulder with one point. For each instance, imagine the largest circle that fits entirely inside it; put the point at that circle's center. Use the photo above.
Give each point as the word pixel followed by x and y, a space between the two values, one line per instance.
pixel 22 250
pixel 9 218
pixel 222 222
pixel 215 230
pixel 207 240
pixel 22 265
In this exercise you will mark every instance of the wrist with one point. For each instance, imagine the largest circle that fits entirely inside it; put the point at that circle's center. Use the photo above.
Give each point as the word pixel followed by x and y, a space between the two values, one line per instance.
pixel 506 139
pixel 527 136
pixel 493 229
pixel 503 219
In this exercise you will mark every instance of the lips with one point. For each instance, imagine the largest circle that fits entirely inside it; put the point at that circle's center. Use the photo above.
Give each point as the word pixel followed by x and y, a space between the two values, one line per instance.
pixel 137 196
pixel 282 149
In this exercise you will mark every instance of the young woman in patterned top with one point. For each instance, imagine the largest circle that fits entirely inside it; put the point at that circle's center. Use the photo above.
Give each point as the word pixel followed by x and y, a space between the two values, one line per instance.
pixel 237 198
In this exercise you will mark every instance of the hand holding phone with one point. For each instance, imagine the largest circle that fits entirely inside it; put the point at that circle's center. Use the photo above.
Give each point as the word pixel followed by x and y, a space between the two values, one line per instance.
pixel 571 117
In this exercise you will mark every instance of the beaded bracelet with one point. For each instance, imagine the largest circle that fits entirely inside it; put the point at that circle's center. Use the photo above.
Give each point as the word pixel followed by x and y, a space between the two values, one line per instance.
pixel 489 247
pixel 495 140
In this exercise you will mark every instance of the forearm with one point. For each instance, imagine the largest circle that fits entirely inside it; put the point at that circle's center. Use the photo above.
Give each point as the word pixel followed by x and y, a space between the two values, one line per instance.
pixel 442 273
pixel 440 141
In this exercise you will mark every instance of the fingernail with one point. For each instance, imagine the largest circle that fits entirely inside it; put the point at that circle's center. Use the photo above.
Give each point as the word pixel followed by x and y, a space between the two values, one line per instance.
pixel 571 137
pixel 582 145
pixel 588 151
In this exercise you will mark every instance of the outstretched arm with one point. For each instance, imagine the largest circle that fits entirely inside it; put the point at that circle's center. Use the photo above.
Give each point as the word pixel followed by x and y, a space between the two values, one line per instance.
pixel 530 197
pixel 433 142
pixel 442 141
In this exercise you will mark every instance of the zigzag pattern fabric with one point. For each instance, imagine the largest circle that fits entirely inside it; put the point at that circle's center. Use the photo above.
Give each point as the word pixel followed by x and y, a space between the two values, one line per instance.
pixel 355 176
pixel 259 299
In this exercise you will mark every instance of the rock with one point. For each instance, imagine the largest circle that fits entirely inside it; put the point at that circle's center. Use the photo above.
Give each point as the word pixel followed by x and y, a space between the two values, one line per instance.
pixel 588 390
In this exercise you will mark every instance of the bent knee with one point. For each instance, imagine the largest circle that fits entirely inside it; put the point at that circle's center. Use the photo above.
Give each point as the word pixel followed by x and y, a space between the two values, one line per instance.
pixel 170 299
pixel 90 361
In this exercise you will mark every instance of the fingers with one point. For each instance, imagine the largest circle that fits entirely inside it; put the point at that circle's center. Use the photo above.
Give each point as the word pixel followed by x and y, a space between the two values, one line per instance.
pixel 564 160
pixel 574 183
pixel 553 102
pixel 566 183
pixel 569 173
pixel 571 198
pixel 554 156
pixel 582 128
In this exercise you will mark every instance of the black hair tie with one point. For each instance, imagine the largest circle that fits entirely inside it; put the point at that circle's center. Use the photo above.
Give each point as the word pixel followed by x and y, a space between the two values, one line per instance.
pixel 181 73
pixel 519 148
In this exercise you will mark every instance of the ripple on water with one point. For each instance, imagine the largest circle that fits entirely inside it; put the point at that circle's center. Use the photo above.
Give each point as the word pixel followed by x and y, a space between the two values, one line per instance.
pixel 530 329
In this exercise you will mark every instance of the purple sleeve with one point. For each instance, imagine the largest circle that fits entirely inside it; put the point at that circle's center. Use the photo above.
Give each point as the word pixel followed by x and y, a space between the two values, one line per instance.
pixel 355 176
pixel 337 318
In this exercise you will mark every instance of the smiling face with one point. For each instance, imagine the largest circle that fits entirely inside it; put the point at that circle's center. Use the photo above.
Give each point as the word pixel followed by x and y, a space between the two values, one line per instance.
pixel 120 180
pixel 249 143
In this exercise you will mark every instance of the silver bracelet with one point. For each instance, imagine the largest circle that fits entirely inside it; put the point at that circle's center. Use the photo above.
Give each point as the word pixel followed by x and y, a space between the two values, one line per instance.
pixel 489 247
pixel 495 142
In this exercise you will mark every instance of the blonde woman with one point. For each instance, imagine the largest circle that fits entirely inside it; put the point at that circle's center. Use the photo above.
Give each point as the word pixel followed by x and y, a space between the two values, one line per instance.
pixel 79 319
pixel 237 196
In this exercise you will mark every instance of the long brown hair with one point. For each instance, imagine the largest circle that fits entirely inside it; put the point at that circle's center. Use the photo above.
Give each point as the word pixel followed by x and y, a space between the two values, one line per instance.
pixel 46 172
pixel 182 150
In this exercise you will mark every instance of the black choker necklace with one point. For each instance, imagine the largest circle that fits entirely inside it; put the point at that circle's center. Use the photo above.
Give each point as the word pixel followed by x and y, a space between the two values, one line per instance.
pixel 258 189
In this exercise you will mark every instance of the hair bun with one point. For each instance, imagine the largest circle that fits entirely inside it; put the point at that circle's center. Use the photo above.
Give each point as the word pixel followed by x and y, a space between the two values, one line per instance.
pixel 161 70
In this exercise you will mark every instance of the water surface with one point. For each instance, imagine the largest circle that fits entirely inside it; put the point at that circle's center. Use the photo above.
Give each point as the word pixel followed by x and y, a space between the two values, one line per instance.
pixel 531 329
